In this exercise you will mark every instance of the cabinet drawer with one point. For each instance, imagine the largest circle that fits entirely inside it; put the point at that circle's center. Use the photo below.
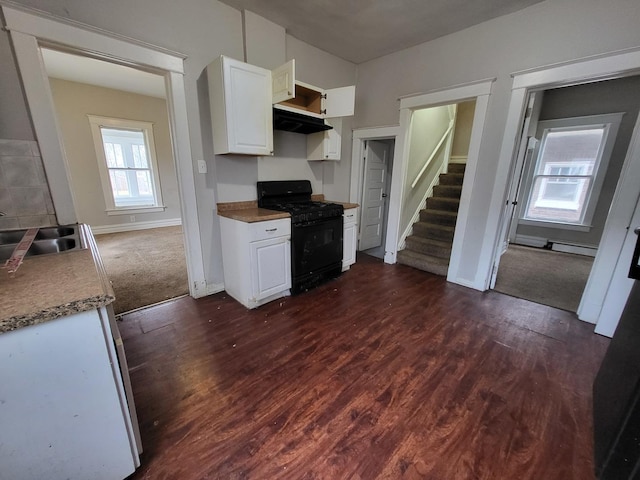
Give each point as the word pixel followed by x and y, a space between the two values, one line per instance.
pixel 269 229
pixel 350 216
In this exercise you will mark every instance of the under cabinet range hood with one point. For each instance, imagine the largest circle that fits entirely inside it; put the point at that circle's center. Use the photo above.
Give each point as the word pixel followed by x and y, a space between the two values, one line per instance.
pixel 297 122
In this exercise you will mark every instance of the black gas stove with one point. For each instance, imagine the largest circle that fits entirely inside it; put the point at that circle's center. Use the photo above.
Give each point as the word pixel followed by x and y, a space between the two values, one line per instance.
pixel 308 211
pixel 316 231
pixel 294 196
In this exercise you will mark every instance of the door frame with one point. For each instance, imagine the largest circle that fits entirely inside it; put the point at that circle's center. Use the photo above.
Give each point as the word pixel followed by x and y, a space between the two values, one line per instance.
pixel 28 30
pixel 480 91
pixel 601 67
pixel 360 138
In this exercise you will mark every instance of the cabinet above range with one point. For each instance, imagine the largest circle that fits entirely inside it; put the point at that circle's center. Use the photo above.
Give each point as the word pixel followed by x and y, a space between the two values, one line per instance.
pixel 244 97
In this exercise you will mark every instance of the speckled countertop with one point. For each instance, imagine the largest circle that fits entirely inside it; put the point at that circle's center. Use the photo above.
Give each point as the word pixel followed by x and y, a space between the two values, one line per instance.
pixel 249 212
pixel 47 287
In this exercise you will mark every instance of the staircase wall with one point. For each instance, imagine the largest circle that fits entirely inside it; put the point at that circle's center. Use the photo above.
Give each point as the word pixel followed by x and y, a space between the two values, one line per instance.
pixel 427 127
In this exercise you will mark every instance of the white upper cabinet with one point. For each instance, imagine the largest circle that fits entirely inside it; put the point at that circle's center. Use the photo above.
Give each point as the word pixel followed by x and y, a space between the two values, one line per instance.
pixel 290 94
pixel 284 82
pixel 326 145
pixel 242 97
pixel 240 100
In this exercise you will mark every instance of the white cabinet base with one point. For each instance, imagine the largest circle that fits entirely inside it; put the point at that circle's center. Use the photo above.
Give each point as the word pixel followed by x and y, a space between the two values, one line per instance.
pixel 349 238
pixel 63 410
pixel 256 259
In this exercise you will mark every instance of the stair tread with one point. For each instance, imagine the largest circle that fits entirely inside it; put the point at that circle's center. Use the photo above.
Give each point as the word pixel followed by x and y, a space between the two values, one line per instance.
pixel 436 225
pixel 430 241
pixel 426 263
pixel 444 199
pixel 447 213
pixel 424 256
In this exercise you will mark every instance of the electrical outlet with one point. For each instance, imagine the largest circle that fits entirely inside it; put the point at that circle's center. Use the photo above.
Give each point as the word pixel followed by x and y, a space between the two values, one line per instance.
pixel 202 166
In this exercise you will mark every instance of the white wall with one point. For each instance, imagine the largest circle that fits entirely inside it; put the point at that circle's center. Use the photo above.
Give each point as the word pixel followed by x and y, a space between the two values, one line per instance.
pixel 548 32
pixel 15 123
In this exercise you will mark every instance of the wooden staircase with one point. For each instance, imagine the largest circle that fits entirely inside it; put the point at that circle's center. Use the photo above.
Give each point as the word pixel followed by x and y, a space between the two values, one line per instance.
pixel 429 247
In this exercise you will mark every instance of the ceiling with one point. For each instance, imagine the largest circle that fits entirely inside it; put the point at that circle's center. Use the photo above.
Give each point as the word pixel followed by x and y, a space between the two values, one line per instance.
pixel 361 30
pixel 87 70
pixel 355 30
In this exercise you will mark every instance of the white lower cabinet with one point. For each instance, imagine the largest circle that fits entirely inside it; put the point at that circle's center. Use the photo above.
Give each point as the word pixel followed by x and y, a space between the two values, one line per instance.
pixel 66 406
pixel 349 238
pixel 256 260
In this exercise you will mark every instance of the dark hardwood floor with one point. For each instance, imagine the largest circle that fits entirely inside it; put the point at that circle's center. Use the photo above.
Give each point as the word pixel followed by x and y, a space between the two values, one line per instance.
pixel 387 372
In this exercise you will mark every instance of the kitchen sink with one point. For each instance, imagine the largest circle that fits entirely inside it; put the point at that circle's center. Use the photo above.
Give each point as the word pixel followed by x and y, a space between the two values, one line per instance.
pixel 48 240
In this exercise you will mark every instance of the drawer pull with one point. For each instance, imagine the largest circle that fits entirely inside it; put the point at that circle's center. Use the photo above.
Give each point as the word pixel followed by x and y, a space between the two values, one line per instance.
pixel 349 216
pixel 270 229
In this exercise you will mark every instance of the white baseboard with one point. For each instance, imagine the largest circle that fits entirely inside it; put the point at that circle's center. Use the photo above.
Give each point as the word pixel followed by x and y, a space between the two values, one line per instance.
pixel 214 288
pixel 530 241
pixel 129 227
pixel 577 249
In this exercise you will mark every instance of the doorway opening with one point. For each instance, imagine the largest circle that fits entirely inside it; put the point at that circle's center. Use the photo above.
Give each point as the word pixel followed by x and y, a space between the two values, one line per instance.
pixel 438 150
pixel 374 205
pixel 573 147
pixel 28 33
pixel 114 124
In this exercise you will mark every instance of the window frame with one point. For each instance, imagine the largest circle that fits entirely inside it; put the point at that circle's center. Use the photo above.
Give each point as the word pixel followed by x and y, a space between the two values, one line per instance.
pixel 97 122
pixel 611 123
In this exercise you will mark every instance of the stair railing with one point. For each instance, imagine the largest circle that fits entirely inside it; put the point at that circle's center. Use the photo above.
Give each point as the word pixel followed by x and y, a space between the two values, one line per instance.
pixel 442 141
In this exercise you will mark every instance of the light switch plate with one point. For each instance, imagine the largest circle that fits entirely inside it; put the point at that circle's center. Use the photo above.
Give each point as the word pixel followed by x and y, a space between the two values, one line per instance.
pixel 202 166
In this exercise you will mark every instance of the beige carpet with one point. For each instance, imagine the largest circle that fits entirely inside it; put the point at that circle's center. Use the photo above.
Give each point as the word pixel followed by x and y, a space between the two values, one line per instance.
pixel 552 278
pixel 144 266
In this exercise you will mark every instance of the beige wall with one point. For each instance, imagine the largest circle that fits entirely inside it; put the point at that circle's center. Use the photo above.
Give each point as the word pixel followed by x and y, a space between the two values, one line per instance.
pixel 462 133
pixel 73 102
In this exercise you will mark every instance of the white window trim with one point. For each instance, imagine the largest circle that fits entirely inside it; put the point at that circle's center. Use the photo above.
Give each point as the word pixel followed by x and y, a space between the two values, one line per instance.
pixel 147 128
pixel 612 122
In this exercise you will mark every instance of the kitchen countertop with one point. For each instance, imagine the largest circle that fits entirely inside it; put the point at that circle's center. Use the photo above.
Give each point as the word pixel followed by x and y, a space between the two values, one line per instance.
pixel 249 212
pixel 47 287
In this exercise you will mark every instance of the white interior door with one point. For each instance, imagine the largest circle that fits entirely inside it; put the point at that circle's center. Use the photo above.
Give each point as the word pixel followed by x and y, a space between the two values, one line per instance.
pixel 374 194
pixel 621 284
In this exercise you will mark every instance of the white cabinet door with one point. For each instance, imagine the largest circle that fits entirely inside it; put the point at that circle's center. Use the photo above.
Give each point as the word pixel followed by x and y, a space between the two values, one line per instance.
pixel 284 82
pixel 270 267
pixel 240 100
pixel 340 102
pixel 326 145
pixel 349 238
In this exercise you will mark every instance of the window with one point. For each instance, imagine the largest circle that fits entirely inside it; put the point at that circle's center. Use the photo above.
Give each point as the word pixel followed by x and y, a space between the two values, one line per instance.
pixel 570 164
pixel 127 164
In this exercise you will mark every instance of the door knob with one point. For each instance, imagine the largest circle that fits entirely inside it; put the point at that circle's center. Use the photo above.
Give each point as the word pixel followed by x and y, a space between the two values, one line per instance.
pixel 636 230
pixel 384 195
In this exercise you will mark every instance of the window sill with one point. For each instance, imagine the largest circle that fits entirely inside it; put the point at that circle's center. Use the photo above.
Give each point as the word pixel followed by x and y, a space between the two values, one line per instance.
pixel 133 210
pixel 558 225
